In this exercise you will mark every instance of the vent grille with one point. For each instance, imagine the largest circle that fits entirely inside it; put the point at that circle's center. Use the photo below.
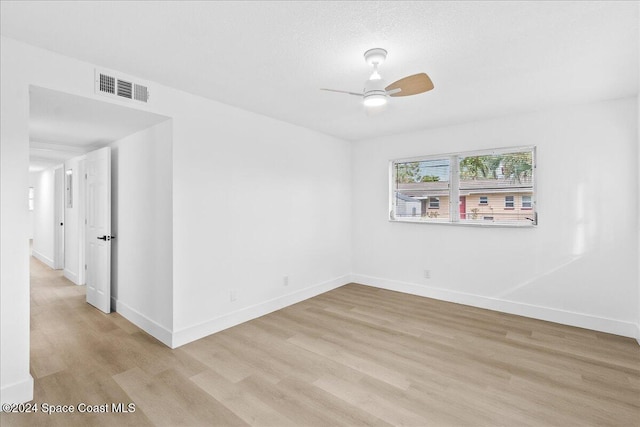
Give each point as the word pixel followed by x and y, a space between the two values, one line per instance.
pixel 110 85
pixel 107 84
pixel 140 93
pixel 124 89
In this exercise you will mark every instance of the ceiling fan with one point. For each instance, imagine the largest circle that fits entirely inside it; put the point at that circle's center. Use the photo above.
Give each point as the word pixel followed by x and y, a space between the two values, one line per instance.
pixel 376 92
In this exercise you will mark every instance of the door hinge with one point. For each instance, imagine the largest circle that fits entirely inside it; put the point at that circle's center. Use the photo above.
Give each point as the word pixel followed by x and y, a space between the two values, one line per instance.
pixel 85 266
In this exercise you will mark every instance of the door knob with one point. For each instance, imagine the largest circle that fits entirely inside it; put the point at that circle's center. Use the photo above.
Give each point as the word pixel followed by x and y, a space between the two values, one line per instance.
pixel 105 238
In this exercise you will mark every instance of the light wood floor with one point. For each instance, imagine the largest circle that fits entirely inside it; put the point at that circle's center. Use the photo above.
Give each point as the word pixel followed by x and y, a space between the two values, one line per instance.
pixel 353 356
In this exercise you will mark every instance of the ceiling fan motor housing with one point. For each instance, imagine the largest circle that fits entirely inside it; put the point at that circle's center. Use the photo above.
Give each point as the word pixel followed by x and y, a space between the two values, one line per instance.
pixel 375 56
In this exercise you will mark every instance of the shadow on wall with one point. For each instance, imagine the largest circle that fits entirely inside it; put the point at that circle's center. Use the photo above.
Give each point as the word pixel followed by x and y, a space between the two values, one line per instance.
pixel 584 226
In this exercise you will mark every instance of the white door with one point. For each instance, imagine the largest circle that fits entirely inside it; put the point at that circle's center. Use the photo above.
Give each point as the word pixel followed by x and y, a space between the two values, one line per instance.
pixel 98 229
pixel 58 218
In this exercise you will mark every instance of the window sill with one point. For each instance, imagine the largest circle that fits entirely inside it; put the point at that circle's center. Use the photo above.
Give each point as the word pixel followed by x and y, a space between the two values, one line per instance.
pixel 468 223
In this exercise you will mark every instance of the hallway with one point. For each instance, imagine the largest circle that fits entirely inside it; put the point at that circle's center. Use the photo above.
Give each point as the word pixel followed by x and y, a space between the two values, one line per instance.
pixel 75 351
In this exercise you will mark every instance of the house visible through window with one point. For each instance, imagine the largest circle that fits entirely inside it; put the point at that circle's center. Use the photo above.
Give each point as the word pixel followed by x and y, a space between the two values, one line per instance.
pixel 509 203
pixel 494 187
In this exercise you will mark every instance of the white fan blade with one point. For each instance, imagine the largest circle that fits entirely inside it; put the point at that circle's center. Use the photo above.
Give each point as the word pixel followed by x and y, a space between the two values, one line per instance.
pixel 342 91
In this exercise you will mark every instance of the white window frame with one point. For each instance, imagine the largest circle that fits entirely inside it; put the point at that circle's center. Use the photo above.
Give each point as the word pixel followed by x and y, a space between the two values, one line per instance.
pixel 529 202
pixel 454 188
pixel 486 201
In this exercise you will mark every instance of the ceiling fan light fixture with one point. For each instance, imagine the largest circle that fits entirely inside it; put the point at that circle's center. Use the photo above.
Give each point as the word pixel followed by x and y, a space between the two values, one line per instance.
pixel 375 100
pixel 376 92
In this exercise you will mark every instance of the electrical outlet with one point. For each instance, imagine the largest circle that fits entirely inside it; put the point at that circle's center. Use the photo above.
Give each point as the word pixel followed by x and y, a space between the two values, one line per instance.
pixel 285 280
pixel 427 274
pixel 233 296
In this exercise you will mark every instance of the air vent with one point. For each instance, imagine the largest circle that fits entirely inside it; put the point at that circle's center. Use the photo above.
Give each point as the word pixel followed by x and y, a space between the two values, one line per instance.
pixel 124 89
pixel 111 85
pixel 140 93
pixel 107 84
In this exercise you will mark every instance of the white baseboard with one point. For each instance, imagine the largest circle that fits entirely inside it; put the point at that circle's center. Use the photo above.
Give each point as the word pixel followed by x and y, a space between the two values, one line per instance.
pixel 154 329
pixel 195 332
pixel 48 261
pixel 19 392
pixel 580 320
pixel 71 276
pixel 638 333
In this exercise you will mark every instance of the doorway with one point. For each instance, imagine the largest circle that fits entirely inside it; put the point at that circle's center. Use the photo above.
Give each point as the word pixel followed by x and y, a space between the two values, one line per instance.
pixel 63 130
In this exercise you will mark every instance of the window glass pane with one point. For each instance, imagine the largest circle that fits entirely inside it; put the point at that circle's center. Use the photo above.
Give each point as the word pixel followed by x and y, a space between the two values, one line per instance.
pixel 69 187
pixel 508 202
pixel 490 183
pixel 421 190
pixel 31 193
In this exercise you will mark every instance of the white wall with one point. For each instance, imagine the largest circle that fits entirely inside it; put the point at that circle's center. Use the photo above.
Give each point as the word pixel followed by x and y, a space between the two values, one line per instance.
pixel 16 384
pixel 579 266
pixel 297 184
pixel 43 217
pixel 141 200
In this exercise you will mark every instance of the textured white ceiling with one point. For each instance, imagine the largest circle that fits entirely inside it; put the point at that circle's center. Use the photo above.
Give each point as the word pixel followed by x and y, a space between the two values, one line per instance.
pixel 485 58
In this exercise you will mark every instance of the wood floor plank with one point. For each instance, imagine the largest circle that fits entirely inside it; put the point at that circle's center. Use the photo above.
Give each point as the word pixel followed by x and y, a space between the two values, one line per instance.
pixel 241 402
pixel 169 399
pixel 373 403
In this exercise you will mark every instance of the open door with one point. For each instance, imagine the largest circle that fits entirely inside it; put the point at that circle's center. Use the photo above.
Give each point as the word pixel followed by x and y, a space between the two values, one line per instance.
pixel 58 218
pixel 98 228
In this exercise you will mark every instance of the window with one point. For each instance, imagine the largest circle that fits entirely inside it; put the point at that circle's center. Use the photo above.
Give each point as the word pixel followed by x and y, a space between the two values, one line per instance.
pixel 509 202
pixel 423 185
pixel 31 194
pixel 69 187
pixel 422 188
